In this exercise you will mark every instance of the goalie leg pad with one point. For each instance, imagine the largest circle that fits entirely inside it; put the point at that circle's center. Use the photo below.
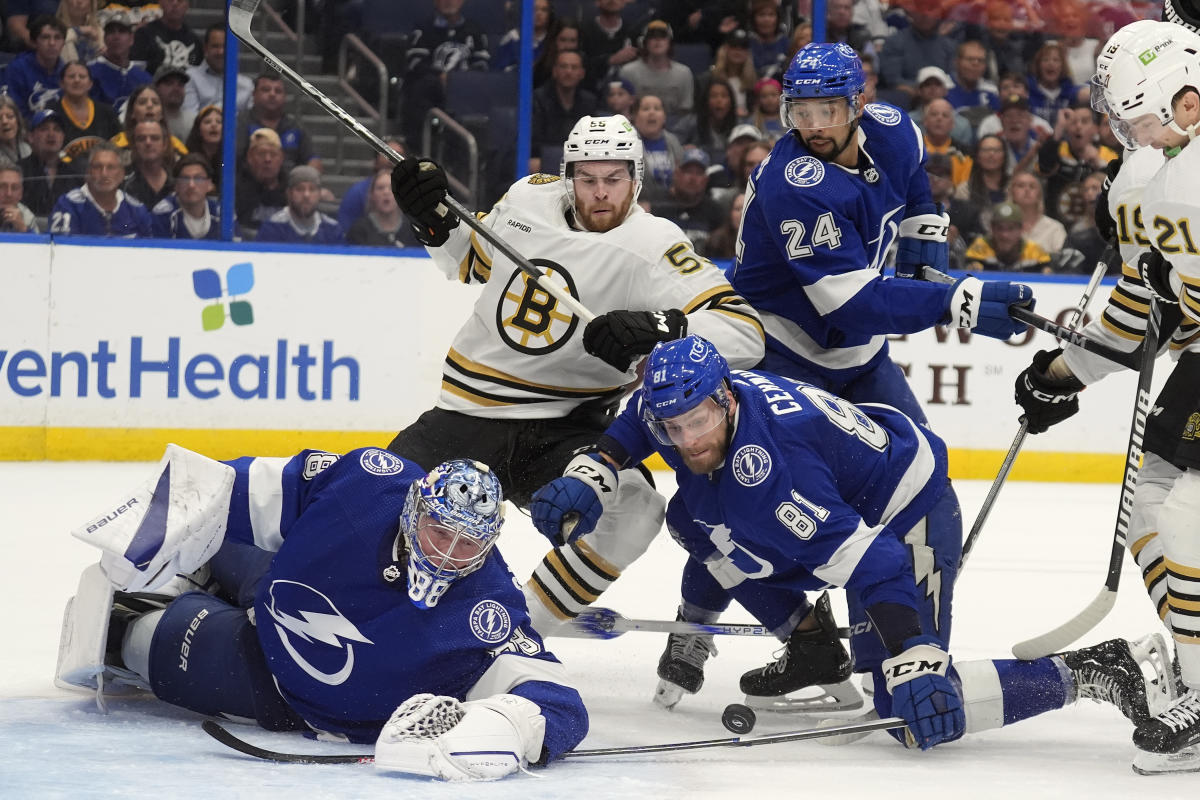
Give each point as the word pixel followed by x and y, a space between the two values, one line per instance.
pixel 173 523
pixel 84 636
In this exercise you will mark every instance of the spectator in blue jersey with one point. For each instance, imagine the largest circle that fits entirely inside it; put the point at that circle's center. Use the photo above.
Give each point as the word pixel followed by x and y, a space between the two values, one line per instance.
pixel 168 40
pixel 32 78
pixel 354 201
pixel 971 89
pixel 785 488
pixel 100 207
pixel 269 98
pixel 424 646
pixel 115 75
pixel 1051 87
pixel 507 55
pixel 189 212
pixel 206 81
pixel 662 148
pixel 300 222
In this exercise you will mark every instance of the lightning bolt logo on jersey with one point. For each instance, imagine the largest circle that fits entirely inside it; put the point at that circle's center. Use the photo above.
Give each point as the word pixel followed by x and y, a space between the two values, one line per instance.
pixel 313 632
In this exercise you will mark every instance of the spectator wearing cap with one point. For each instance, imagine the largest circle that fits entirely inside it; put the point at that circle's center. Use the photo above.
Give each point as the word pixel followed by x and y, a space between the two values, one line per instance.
pixel 608 39
pixel 170 81
pixel 206 81
pixel 767 93
pixel 965 222
pixel 688 203
pixel 1066 158
pixel 937 125
pixel 715 118
pixel 655 73
pixel 85 35
pixel 1050 84
pixel 189 212
pixel 1021 138
pixel 47 177
pixel 1011 83
pixel 768 36
pixel 383 224
pixel 152 158
pixel 100 207
pixel 557 106
pixel 354 201
pixel 934 84
pixel 13 146
pixel 15 216
pixel 733 65
pixel 619 96
pixel 85 121
pixel 918 45
pixel 33 76
pixel 115 75
pixel 260 184
pixel 970 89
pixel 1025 192
pixel 729 180
pixel 1005 249
pixel 18 18
pixel 300 222
pixel 168 40
pixel 662 149
pixel 270 97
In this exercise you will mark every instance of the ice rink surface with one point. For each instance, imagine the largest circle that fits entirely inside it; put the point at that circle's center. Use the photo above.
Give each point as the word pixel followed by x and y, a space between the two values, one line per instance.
pixel 1041 559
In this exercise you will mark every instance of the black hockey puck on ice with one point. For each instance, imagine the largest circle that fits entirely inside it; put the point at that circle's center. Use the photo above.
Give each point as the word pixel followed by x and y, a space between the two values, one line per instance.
pixel 738 718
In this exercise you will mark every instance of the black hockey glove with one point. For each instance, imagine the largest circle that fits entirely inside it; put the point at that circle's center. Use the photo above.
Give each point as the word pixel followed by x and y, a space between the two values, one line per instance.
pixel 1156 275
pixel 619 338
pixel 1105 224
pixel 1045 400
pixel 420 187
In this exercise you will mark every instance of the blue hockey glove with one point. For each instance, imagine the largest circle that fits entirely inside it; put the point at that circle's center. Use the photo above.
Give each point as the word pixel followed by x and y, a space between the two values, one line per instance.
pixel 983 306
pixel 585 486
pixel 923 241
pixel 922 694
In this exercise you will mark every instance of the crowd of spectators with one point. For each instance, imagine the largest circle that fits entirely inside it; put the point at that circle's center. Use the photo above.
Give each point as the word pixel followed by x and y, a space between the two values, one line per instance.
pixel 111 115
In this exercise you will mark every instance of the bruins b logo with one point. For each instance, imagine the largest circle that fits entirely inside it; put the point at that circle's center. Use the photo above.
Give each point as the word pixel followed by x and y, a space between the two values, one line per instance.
pixel 529 319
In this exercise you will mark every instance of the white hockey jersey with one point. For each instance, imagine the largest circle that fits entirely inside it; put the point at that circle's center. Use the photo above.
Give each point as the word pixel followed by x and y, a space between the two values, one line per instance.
pixel 520 355
pixel 1137 201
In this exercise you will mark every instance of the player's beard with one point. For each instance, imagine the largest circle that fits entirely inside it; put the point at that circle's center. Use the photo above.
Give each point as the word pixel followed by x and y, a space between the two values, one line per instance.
pixel 708 460
pixel 607 221
pixel 828 148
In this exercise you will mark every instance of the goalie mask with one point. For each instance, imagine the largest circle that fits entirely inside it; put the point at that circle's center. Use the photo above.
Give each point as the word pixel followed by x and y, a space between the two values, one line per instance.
pixel 685 393
pixel 450 522
pixel 602 139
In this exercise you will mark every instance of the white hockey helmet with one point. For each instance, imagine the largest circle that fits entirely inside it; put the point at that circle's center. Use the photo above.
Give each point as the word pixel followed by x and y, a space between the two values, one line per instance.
pixel 1141 76
pixel 603 139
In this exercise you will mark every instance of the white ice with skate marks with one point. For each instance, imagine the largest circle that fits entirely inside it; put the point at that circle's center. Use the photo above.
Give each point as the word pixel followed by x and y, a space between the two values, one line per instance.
pixel 1041 558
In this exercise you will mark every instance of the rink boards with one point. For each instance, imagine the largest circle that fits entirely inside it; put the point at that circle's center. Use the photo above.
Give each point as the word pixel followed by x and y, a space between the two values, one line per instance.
pixel 108 352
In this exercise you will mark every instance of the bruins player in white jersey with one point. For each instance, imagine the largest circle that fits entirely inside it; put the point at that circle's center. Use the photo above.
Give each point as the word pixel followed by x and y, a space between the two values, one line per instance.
pixel 525 384
pixel 1149 76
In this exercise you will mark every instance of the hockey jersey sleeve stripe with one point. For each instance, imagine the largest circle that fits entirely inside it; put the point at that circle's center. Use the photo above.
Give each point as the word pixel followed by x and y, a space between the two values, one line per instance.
pixel 473 369
pixel 1191 302
pixel 920 469
pixel 833 291
pixel 480 398
pixel 793 338
pixel 742 314
pixel 509 670
pixel 844 561
pixel 1128 332
pixel 266 501
pixel 1185 335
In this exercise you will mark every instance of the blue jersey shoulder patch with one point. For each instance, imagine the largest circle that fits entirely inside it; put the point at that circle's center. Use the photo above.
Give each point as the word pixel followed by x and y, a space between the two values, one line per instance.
pixel 884 114
pixel 804 171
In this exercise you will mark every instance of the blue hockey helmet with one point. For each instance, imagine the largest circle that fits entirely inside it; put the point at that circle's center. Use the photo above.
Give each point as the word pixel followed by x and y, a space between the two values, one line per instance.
pixel 451 520
pixel 680 375
pixel 822 71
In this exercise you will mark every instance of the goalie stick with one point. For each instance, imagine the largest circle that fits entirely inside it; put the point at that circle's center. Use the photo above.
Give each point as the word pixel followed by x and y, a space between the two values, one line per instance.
pixel 605 623
pixel 1058 639
pixel 241 12
pixel 226 738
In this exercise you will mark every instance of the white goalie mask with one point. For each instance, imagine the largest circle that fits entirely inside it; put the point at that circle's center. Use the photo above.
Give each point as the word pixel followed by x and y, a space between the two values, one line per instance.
pixel 602 139
pixel 1138 74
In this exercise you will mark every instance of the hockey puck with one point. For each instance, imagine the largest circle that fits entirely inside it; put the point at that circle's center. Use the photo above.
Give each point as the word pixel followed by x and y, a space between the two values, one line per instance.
pixel 738 718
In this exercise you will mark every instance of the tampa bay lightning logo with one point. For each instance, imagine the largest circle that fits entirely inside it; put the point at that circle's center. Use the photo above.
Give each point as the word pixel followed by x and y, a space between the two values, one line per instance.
pixel 884 114
pixel 804 171
pixel 380 462
pixel 751 465
pixel 490 622
pixel 314 633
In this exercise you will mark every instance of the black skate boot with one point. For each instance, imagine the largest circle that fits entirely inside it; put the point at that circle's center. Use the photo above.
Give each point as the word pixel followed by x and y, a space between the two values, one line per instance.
pixel 1110 672
pixel 681 667
pixel 809 658
pixel 1176 728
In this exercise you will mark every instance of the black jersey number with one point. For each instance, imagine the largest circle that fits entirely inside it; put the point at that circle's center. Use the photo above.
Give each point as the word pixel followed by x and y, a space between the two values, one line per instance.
pixel 1166 231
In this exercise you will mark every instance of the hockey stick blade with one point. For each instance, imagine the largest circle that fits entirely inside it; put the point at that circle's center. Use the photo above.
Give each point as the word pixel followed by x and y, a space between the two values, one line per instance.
pixel 226 738
pixel 605 623
pixel 241 12
pixel 1070 631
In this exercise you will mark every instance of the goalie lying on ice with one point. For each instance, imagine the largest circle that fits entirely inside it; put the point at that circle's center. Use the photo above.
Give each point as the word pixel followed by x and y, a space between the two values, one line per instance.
pixel 356 597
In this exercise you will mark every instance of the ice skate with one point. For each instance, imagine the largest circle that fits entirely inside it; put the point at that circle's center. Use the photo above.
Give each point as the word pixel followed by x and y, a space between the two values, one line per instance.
pixel 681 667
pixel 811 673
pixel 1170 741
pixel 1133 676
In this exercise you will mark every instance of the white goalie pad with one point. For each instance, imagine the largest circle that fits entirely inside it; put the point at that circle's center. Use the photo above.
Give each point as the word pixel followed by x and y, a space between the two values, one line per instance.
pixel 173 523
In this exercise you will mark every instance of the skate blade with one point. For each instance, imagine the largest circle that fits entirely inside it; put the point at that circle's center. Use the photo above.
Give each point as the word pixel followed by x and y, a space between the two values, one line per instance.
pixel 817 699
pixel 1154 659
pixel 667 695
pixel 1186 760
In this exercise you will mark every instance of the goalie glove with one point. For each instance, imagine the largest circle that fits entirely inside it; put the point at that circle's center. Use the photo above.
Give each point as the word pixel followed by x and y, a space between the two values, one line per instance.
pixel 1046 400
pixel 582 491
pixel 923 695
pixel 619 338
pixel 420 188
pixel 923 241
pixel 983 306
pixel 480 740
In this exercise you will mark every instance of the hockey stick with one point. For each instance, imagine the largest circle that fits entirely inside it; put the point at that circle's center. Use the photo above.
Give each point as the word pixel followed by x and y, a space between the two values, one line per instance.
pixel 241 12
pixel 604 623
pixel 226 738
pixel 1058 639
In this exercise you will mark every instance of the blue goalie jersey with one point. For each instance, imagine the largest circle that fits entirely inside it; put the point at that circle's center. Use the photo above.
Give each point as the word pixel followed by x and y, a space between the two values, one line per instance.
pixel 814 491
pixel 341 637
pixel 813 242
